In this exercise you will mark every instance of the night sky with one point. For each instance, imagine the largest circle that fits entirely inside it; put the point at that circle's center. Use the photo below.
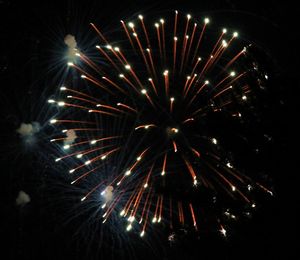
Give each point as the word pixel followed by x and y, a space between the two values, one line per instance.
pixel 32 35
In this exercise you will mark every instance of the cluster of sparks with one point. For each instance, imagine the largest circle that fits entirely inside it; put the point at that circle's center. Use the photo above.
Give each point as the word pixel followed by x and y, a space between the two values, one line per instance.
pixel 140 85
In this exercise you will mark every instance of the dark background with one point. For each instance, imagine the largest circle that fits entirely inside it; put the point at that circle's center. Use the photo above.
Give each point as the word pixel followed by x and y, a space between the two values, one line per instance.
pixel 31 39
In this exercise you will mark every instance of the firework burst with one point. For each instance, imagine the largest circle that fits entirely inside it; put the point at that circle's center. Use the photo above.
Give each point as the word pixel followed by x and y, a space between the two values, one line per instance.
pixel 150 111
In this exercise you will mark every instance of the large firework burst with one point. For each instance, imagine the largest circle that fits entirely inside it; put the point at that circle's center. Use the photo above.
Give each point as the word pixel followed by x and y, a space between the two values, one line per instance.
pixel 152 121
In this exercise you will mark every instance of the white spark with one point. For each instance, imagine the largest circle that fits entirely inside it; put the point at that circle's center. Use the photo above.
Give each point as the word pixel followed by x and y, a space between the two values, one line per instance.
pixel 131 219
pixel 223 231
pixel 129 227
pixel 229 165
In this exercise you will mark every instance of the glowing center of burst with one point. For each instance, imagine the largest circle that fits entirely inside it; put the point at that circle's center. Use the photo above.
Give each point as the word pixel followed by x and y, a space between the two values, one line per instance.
pixel 172 131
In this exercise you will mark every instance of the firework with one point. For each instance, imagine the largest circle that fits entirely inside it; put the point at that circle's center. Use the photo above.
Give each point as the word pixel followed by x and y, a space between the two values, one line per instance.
pixel 151 110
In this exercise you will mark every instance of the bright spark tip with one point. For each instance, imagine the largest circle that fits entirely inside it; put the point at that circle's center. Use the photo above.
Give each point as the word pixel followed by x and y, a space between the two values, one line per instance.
pixel 214 140
pixel 129 227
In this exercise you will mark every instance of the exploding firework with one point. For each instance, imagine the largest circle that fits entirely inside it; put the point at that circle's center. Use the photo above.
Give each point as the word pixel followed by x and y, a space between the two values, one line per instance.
pixel 150 124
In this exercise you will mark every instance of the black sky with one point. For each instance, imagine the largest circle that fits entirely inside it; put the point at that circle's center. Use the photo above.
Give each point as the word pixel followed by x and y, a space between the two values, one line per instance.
pixel 32 32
